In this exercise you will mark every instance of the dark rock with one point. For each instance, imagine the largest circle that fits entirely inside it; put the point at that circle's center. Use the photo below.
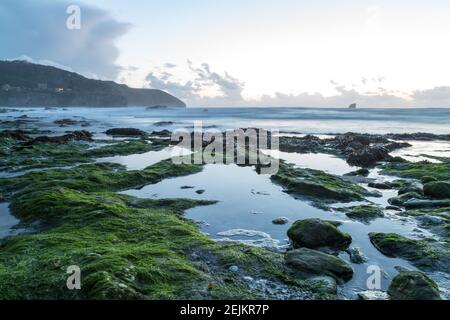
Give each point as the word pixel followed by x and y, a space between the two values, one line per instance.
pixel 15 134
pixel 393 208
pixel 73 136
pixel 360 172
pixel 163 123
pixel 311 262
pixel 380 185
pixel 423 204
pixel 126 132
pixel 281 220
pixel 427 179
pixel 413 285
pixel 437 189
pixel 200 191
pixel 316 233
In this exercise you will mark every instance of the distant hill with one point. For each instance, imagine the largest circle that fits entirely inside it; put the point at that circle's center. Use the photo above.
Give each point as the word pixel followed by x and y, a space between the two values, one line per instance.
pixel 33 85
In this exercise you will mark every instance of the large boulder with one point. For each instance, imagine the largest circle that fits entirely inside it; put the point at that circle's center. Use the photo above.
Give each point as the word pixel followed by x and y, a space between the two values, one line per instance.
pixel 312 262
pixel 413 285
pixel 437 189
pixel 316 233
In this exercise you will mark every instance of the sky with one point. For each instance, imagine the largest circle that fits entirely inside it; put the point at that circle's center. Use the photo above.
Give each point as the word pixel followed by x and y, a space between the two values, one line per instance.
pixel 320 53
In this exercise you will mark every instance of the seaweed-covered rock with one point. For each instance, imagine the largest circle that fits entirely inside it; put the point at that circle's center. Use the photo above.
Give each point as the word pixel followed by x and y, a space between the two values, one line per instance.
pixel 426 204
pixel 413 285
pixel 400 200
pixel 426 254
pixel 437 189
pixel 281 220
pixel 311 262
pixel 81 135
pixel 317 184
pixel 380 185
pixel 363 213
pixel 126 132
pixel 363 172
pixel 317 233
pixel 427 179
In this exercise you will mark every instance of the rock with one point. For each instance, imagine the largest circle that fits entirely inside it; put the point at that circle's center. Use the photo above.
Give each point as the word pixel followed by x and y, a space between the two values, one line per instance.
pixel 368 156
pixel 164 133
pixel 400 200
pixel 363 172
pixel 412 188
pixel 187 187
pixel 317 184
pixel 380 185
pixel 233 269
pixel 364 213
pixel 423 204
pixel 200 191
pixel 163 123
pixel 393 208
pixel 82 135
pixel 281 220
pixel 15 134
pixel 328 284
pixel 430 219
pixel 373 295
pixel 317 233
pixel 70 122
pixel 437 189
pixel 425 254
pixel 427 179
pixel 356 255
pixel 312 262
pixel 413 285
pixel 126 132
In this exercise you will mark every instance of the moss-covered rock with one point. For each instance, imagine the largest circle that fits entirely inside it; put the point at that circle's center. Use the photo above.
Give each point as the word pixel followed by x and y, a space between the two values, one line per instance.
pixel 425 254
pixel 437 189
pixel 317 233
pixel 413 285
pixel 418 170
pixel 363 213
pixel 318 186
pixel 307 261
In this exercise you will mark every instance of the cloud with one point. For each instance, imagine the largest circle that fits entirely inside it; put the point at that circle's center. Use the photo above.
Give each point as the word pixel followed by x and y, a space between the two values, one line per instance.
pixel 227 89
pixel 230 90
pixel 37 29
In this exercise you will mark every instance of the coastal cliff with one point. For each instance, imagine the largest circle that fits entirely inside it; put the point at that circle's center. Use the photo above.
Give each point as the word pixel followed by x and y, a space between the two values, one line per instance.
pixel 24 84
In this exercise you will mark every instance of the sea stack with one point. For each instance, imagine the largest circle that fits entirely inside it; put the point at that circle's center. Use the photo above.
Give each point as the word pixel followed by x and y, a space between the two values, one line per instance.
pixel 352 106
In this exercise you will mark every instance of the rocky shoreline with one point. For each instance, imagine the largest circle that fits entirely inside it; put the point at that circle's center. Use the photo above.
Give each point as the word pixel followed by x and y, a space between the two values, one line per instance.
pixel 132 248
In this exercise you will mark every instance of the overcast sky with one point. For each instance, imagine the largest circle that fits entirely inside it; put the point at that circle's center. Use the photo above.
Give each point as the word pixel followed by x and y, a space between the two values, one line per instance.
pixel 253 52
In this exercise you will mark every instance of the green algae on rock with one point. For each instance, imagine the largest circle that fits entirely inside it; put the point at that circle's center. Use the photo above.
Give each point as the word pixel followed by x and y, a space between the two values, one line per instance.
pixel 363 213
pixel 437 189
pixel 316 233
pixel 312 262
pixel 318 186
pixel 427 254
pixel 413 285
pixel 418 170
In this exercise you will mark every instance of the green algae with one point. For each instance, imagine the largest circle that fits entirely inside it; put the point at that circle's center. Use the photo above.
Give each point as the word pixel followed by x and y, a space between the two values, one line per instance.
pixel 319 187
pixel 363 213
pixel 418 170
pixel 426 254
